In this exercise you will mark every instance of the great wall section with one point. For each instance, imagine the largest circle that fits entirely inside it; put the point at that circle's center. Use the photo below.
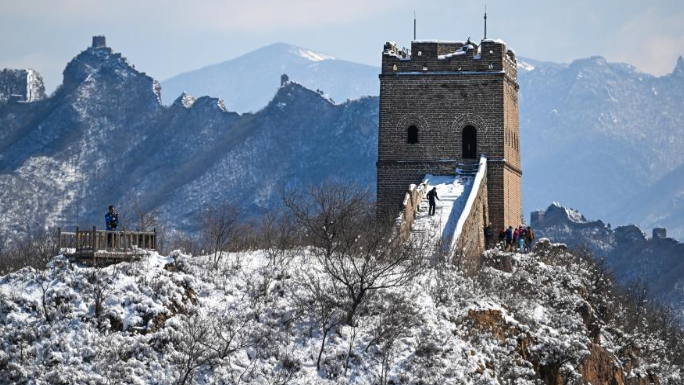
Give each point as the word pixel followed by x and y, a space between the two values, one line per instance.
pixel 450 110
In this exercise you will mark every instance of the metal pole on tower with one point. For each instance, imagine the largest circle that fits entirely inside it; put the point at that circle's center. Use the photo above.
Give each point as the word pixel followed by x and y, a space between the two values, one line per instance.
pixel 414 25
pixel 485 22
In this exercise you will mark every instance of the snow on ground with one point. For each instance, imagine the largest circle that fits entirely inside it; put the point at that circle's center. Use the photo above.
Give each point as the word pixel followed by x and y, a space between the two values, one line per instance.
pixel 255 321
pixel 453 193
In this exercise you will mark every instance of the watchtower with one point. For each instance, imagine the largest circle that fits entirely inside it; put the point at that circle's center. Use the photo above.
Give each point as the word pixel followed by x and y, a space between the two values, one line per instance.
pixel 99 41
pixel 443 104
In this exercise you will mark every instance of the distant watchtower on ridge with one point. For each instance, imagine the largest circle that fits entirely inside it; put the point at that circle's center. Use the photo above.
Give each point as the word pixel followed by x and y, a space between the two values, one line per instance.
pixel 447 103
pixel 99 41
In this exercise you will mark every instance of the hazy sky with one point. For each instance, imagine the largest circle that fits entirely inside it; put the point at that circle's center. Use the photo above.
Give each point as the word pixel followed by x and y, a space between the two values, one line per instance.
pixel 164 38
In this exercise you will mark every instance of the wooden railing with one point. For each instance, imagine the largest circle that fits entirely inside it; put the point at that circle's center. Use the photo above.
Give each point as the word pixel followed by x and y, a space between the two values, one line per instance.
pixel 92 240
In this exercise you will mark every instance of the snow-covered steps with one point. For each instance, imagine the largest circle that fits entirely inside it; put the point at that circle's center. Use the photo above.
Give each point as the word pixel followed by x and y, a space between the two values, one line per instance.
pixel 438 229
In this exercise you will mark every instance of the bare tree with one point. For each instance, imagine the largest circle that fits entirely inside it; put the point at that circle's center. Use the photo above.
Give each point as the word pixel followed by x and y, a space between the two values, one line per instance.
pixel 191 346
pixel 323 306
pixel 44 283
pixel 357 251
pixel 277 236
pixel 184 242
pixel 220 225
pixel 145 219
pixel 34 249
pixel 99 292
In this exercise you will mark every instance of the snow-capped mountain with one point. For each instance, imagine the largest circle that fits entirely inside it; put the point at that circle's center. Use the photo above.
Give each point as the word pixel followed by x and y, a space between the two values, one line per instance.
pixel 105 138
pixel 595 134
pixel 247 83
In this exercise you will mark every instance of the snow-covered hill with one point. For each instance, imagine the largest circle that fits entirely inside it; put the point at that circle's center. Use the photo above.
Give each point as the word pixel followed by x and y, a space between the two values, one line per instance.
pixel 247 83
pixel 548 318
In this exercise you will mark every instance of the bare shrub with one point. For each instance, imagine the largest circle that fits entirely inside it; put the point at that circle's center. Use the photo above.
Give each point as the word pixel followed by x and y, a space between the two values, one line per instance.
pixel 99 287
pixel 220 225
pixel 322 305
pixel 34 249
pixel 192 348
pixel 186 243
pixel 277 237
pixel 356 250
pixel 397 318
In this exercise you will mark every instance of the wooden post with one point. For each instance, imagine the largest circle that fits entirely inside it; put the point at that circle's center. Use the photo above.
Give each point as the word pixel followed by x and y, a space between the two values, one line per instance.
pixel 59 239
pixel 154 240
pixel 92 241
pixel 78 243
pixel 125 243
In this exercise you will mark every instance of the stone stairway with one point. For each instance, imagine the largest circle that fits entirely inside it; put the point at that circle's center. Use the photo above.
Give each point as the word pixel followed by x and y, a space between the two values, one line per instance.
pixel 438 228
pixel 467 169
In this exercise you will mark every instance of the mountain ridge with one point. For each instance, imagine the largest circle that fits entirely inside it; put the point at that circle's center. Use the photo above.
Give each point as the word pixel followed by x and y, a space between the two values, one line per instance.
pixel 105 138
pixel 246 83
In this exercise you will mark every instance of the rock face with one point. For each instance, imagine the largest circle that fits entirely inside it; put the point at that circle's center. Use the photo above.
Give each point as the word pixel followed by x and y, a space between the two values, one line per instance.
pixel 22 85
pixel 656 261
pixel 598 367
pixel 105 138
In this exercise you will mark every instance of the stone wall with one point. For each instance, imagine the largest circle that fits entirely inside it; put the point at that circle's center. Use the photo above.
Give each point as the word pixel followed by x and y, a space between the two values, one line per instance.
pixel 411 203
pixel 21 85
pixel 468 250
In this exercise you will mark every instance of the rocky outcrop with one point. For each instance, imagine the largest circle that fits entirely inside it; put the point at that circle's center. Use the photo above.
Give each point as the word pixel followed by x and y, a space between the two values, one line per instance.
pixel 627 250
pixel 21 85
pixel 598 367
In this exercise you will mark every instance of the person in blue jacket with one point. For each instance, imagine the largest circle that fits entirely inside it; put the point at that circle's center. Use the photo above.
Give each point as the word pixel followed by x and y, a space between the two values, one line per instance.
pixel 111 222
pixel 509 238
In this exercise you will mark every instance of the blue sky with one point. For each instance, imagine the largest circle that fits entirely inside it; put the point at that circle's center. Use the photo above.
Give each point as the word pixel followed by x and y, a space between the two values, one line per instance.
pixel 164 38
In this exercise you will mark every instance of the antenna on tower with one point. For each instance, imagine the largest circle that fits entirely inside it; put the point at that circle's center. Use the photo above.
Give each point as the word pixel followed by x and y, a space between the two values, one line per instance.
pixel 485 22
pixel 414 25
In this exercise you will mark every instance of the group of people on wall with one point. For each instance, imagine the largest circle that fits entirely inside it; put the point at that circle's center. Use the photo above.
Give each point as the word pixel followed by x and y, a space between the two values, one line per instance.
pixel 519 239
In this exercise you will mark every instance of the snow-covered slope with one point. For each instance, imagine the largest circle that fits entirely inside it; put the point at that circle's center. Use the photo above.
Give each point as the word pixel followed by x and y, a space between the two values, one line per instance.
pixel 248 82
pixel 176 319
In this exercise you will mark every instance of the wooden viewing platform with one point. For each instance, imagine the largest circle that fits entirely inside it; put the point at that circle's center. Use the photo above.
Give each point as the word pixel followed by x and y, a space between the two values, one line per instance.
pixel 101 247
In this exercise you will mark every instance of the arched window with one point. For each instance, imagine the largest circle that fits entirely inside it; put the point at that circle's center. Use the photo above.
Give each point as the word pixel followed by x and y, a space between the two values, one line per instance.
pixel 469 142
pixel 412 135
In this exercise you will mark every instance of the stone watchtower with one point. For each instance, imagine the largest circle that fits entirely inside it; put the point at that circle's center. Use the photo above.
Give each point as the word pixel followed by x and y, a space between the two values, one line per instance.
pixel 99 41
pixel 443 104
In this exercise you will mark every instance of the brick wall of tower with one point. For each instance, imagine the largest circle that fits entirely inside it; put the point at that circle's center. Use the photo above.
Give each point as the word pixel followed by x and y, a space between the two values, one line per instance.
pixel 511 171
pixel 440 106
pixel 512 197
pixel 496 194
